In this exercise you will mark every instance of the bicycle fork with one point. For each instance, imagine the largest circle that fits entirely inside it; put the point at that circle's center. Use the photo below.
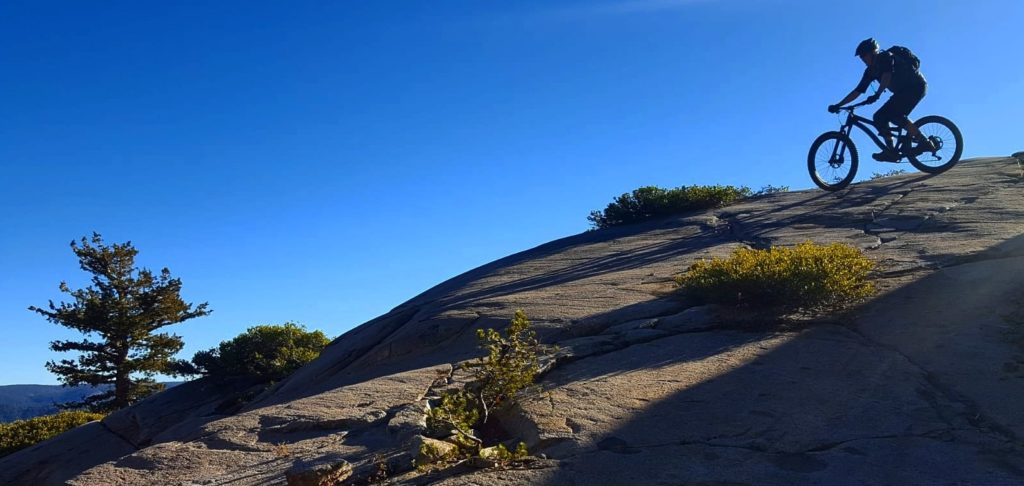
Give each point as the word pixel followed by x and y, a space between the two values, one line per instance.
pixel 838 154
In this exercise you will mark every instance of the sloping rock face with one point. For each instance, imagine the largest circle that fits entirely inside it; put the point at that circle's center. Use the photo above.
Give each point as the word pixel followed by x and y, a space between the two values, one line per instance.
pixel 921 385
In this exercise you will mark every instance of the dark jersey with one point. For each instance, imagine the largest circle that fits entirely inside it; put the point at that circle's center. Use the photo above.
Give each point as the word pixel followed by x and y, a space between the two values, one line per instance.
pixel 903 75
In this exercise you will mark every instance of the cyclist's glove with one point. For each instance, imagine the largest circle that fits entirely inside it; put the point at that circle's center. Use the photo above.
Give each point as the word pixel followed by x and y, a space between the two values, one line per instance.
pixel 833 108
pixel 873 98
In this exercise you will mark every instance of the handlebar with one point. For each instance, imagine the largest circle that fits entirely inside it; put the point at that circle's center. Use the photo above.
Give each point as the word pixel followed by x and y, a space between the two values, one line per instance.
pixel 854 106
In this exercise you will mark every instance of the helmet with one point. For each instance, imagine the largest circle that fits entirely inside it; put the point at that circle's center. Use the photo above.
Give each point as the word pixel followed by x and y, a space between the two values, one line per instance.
pixel 865 46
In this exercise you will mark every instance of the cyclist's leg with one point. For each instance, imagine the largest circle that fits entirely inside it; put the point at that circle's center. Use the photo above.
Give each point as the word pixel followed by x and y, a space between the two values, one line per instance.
pixel 881 121
pixel 882 117
pixel 906 104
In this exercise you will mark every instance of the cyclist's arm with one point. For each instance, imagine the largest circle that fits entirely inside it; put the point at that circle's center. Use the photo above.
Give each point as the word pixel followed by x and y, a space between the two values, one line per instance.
pixel 883 83
pixel 862 86
pixel 850 97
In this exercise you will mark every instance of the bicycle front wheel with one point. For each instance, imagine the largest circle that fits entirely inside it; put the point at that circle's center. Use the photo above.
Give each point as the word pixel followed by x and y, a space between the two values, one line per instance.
pixel 832 161
pixel 946 137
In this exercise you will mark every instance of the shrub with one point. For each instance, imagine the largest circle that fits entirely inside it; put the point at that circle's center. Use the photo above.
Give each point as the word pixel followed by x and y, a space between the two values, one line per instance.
pixel 770 189
pixel 381 470
pixel 511 363
pixel 894 172
pixel 457 411
pixel 502 458
pixel 20 434
pixel 809 277
pixel 269 352
pixel 653 202
pixel 510 366
pixel 435 454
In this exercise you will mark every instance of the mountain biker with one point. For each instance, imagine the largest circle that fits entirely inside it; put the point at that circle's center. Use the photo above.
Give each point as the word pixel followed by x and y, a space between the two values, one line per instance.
pixel 908 87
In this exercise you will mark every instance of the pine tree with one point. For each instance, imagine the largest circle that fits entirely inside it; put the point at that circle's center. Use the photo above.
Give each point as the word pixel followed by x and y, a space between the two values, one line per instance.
pixel 119 315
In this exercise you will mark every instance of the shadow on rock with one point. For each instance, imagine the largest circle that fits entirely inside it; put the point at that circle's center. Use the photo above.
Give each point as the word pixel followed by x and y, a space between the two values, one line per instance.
pixel 910 394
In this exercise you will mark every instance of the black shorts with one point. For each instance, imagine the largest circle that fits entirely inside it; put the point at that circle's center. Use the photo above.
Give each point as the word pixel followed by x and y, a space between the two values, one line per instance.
pixel 897 109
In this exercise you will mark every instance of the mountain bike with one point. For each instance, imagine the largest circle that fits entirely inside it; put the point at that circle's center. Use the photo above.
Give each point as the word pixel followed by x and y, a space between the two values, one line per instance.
pixel 832 160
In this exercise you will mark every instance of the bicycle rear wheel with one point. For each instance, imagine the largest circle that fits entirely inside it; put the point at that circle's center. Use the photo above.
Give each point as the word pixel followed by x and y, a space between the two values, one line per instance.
pixel 946 136
pixel 832 161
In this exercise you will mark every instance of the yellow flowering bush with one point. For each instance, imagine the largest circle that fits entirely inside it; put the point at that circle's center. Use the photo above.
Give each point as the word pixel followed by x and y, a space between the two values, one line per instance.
pixel 23 433
pixel 808 276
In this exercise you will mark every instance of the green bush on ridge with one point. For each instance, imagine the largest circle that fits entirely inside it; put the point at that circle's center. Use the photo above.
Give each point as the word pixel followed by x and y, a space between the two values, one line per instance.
pixel 268 352
pixel 653 202
pixel 20 434
pixel 806 277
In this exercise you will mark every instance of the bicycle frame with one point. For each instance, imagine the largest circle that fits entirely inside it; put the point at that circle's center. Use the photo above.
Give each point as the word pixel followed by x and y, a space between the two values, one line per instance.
pixel 868 127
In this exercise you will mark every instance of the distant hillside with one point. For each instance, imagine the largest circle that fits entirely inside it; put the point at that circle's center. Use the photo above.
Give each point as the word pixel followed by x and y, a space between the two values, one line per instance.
pixel 26 401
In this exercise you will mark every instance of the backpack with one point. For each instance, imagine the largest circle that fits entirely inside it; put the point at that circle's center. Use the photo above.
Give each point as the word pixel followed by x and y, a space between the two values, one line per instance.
pixel 905 56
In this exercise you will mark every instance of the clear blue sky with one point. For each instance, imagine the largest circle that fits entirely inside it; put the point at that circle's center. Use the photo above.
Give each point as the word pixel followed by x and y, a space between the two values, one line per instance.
pixel 323 161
